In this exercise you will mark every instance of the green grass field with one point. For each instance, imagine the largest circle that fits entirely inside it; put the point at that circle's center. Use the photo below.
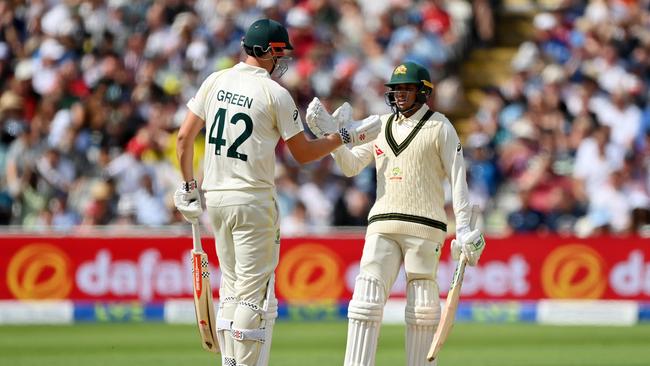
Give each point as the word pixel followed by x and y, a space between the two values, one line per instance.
pixel 317 344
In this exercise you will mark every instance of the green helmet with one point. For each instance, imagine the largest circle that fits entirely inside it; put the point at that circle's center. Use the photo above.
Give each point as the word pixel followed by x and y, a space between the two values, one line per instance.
pixel 409 73
pixel 267 34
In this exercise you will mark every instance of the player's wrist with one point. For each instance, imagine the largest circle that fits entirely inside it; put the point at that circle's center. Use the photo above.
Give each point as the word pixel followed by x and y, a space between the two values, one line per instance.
pixel 335 137
pixel 344 135
pixel 190 185
pixel 462 230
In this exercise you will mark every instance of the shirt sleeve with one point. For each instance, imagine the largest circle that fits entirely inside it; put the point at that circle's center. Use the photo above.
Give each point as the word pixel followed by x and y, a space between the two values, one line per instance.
pixel 451 154
pixel 352 161
pixel 197 103
pixel 289 122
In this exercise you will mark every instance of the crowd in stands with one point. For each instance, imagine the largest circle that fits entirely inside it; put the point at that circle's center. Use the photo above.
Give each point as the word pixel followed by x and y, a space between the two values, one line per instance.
pixel 564 145
pixel 93 92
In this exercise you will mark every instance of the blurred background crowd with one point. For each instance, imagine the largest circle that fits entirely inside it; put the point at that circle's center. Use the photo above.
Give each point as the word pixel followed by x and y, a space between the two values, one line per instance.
pixel 563 145
pixel 94 91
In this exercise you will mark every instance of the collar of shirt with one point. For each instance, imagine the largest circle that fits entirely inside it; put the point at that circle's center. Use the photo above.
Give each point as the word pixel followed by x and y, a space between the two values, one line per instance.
pixel 415 118
pixel 250 69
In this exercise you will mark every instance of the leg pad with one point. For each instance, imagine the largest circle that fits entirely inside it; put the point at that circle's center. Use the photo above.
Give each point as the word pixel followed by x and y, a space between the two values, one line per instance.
pixel 422 315
pixel 364 312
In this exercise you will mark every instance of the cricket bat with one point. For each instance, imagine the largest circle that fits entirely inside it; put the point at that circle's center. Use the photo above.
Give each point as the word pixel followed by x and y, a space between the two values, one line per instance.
pixel 453 297
pixel 203 305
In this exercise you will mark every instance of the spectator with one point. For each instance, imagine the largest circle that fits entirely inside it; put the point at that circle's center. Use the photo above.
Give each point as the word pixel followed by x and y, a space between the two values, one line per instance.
pixel 62 217
pixel 573 109
pixel 91 91
pixel 297 222
pixel 150 208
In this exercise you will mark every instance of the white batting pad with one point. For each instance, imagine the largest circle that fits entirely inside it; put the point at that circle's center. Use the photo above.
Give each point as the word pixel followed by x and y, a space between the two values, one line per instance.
pixel 268 321
pixel 422 315
pixel 253 337
pixel 225 314
pixel 364 313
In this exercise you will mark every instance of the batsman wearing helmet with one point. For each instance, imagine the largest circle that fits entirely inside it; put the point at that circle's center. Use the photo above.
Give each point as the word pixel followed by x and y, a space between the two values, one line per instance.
pixel 245 113
pixel 416 150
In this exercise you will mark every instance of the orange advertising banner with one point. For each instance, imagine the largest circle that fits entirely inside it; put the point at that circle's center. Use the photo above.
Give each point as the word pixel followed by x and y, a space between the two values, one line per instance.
pixel 319 268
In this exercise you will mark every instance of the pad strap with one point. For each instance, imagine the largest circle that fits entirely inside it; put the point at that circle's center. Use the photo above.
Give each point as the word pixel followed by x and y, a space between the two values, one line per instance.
pixel 258 334
pixel 224 324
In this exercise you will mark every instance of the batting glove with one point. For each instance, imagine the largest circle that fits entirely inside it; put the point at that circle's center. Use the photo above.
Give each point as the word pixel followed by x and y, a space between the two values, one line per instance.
pixel 188 201
pixel 319 121
pixel 470 242
pixel 343 115
pixel 361 132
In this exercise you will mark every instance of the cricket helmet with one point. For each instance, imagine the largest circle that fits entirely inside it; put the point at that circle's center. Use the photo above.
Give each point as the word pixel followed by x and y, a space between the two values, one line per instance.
pixel 409 73
pixel 268 35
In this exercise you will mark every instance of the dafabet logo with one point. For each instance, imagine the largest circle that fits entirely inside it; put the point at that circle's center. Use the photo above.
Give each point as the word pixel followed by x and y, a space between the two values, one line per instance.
pixel 39 271
pixel 574 271
pixel 310 272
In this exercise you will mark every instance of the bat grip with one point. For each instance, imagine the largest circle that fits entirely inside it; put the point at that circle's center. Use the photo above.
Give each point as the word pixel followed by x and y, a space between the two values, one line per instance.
pixel 196 238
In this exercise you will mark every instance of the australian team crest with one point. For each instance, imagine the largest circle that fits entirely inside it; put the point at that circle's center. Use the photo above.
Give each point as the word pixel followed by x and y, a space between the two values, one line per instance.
pixel 401 69
pixel 396 174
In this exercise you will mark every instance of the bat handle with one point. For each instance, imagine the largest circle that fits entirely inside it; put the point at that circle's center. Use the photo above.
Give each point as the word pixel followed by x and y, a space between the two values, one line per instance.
pixel 196 237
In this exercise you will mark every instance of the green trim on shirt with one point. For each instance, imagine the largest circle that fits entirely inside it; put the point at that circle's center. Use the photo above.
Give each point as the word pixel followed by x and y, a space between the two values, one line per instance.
pixel 409 218
pixel 398 148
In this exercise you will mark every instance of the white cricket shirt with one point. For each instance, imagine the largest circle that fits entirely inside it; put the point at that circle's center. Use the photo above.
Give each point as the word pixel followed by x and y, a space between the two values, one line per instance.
pixel 412 160
pixel 245 114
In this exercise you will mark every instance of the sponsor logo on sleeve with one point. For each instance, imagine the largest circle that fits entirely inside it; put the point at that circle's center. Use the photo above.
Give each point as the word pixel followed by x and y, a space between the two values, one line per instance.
pixel 378 151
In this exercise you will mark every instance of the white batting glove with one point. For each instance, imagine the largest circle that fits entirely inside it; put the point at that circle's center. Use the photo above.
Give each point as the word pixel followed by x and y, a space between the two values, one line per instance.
pixel 188 201
pixel 361 132
pixel 470 242
pixel 319 121
pixel 343 115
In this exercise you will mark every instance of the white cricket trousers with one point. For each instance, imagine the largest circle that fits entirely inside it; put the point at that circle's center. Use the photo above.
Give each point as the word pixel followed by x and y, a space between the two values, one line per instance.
pixel 247 236
pixel 383 254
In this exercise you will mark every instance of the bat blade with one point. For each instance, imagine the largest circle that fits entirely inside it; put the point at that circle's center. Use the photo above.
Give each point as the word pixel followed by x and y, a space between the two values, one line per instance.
pixel 203 305
pixel 449 311
pixel 453 298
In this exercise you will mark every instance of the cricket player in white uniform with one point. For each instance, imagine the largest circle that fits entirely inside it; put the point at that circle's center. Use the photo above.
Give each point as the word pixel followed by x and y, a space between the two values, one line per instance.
pixel 416 150
pixel 245 113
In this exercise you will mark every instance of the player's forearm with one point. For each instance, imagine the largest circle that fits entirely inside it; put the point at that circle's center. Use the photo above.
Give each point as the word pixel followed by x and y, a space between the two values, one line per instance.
pixel 453 162
pixel 460 193
pixel 305 150
pixel 185 155
pixel 185 144
pixel 352 162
